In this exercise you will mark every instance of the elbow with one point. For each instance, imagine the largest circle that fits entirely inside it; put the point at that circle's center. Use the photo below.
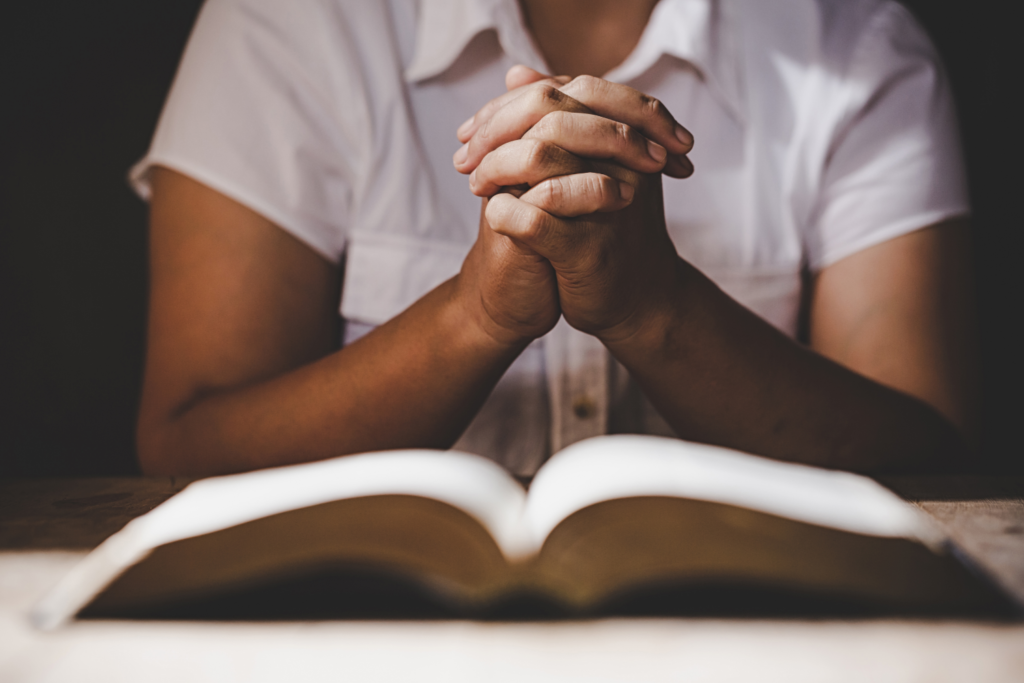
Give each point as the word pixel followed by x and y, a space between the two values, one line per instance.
pixel 927 442
pixel 951 437
pixel 954 448
pixel 161 444
pixel 152 453
pixel 167 442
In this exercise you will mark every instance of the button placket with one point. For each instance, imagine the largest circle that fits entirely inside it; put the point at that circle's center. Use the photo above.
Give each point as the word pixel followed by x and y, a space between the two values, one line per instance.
pixel 577 368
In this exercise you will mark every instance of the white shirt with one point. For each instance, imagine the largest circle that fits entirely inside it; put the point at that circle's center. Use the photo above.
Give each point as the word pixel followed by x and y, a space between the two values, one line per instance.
pixel 822 127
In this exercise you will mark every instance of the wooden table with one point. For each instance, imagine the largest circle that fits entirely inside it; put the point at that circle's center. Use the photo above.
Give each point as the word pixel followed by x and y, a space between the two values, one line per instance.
pixel 48 525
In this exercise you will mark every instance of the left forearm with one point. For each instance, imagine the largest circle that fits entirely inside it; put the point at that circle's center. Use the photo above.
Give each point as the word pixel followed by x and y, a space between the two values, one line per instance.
pixel 592 154
pixel 720 374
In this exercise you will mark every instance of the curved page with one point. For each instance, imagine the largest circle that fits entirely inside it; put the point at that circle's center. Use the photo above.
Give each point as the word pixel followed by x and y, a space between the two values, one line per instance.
pixel 470 483
pixel 610 467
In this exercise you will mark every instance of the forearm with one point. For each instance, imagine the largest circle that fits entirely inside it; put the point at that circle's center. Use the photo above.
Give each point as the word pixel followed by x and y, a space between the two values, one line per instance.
pixel 719 374
pixel 715 370
pixel 416 381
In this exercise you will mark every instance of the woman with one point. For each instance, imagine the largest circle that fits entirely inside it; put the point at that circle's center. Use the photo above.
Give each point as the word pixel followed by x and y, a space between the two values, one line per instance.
pixel 305 151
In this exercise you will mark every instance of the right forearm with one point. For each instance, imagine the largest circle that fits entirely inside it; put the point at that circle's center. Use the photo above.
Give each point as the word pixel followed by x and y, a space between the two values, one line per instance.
pixel 416 381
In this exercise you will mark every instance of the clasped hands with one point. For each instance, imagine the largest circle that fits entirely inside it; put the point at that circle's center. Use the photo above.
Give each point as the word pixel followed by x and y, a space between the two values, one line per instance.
pixel 572 219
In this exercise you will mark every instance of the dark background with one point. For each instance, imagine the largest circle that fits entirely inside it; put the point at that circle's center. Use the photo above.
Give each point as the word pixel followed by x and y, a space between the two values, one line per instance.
pixel 82 86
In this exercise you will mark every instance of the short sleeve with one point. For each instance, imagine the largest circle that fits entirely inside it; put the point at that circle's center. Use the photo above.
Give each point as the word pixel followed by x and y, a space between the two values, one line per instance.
pixel 264 110
pixel 895 162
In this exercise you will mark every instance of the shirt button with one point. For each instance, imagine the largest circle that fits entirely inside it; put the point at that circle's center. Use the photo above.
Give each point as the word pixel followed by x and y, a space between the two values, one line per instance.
pixel 583 408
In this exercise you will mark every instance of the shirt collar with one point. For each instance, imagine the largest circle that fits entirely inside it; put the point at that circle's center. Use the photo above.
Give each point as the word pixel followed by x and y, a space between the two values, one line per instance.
pixel 699 32
pixel 445 27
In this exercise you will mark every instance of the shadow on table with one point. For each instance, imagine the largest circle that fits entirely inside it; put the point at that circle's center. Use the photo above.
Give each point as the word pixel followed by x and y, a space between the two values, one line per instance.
pixel 354 595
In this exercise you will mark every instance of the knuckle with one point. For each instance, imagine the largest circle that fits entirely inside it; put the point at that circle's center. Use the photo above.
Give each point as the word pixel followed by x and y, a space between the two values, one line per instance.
pixel 547 127
pixel 589 185
pixel 587 83
pixel 602 190
pixel 483 137
pixel 550 193
pixel 484 115
pixel 652 107
pixel 534 225
pixel 539 154
pixel 545 96
pixel 625 136
pixel 557 119
pixel 602 187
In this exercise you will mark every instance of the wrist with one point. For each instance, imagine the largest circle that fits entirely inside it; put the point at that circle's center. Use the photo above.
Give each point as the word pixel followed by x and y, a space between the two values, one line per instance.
pixel 471 322
pixel 653 330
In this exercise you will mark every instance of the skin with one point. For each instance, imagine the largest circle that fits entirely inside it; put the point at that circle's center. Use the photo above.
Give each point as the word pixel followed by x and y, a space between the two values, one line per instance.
pixel 586 36
pixel 242 370
pixel 747 386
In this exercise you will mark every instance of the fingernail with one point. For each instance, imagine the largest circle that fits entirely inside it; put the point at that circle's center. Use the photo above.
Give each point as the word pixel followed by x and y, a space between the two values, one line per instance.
pixel 466 125
pixel 460 156
pixel 683 163
pixel 684 136
pixel 472 178
pixel 657 152
pixel 626 191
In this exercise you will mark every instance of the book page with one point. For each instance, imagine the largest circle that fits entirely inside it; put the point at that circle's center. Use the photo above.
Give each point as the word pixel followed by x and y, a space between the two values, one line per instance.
pixel 470 483
pixel 610 467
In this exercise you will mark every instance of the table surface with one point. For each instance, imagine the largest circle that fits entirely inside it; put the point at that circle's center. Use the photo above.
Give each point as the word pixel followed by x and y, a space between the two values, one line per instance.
pixel 48 525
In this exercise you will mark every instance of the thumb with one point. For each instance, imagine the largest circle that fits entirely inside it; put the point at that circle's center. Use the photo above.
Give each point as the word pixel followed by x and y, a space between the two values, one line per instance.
pixel 529 226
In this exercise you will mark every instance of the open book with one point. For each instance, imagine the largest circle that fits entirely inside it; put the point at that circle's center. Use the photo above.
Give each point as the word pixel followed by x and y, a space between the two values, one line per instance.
pixel 603 518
